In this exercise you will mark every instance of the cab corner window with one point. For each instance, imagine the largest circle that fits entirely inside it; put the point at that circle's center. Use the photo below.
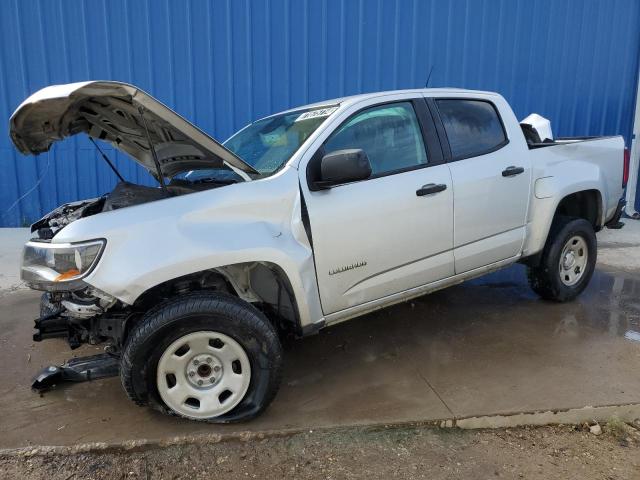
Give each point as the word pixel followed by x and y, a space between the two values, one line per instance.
pixel 389 134
pixel 473 127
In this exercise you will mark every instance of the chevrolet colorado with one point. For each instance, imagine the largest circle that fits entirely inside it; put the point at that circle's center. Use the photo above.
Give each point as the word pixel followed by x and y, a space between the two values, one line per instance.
pixel 300 220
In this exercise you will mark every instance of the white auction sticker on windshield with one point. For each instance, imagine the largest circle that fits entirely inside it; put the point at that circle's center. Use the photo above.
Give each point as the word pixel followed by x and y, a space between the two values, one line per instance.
pixel 321 112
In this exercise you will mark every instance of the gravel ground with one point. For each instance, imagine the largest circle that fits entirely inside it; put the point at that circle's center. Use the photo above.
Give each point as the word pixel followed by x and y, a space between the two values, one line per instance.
pixel 562 452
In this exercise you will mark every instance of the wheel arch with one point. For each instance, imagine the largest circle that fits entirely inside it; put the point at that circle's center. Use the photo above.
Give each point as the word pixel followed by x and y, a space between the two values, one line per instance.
pixel 586 203
pixel 262 283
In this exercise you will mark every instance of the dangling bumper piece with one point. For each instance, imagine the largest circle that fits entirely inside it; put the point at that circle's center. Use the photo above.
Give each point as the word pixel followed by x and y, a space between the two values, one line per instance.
pixel 81 369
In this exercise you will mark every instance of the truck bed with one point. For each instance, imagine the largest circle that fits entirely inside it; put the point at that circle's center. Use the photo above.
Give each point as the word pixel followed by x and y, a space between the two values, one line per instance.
pixel 564 141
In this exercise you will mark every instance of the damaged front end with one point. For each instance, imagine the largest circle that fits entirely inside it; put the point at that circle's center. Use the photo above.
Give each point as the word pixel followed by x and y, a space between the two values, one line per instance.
pixel 170 148
pixel 72 309
pixel 80 317
pixel 124 194
pixel 65 214
pixel 86 316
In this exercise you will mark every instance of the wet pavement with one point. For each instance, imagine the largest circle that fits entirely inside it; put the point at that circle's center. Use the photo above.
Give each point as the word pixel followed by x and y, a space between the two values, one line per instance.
pixel 486 347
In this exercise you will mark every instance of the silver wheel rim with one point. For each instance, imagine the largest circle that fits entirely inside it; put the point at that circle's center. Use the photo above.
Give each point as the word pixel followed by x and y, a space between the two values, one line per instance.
pixel 203 374
pixel 573 260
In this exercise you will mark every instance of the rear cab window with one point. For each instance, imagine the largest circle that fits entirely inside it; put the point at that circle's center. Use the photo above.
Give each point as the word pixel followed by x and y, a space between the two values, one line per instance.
pixel 473 127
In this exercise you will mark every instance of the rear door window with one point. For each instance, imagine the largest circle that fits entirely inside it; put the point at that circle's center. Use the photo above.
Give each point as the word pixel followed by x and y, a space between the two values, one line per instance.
pixel 473 127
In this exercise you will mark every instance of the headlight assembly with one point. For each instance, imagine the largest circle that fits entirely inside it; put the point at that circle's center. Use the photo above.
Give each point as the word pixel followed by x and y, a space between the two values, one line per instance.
pixel 59 266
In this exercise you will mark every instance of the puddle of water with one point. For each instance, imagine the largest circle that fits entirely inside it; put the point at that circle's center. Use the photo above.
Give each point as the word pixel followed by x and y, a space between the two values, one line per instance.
pixel 632 335
pixel 491 341
pixel 608 305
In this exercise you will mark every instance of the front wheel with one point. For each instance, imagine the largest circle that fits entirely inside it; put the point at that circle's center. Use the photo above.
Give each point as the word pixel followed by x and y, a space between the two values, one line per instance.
pixel 568 260
pixel 203 356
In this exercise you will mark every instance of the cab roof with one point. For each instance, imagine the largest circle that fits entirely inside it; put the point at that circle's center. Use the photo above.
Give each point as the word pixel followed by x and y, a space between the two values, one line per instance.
pixel 366 96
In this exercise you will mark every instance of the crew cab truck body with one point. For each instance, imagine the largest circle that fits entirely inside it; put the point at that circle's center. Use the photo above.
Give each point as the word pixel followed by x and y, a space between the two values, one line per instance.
pixel 299 221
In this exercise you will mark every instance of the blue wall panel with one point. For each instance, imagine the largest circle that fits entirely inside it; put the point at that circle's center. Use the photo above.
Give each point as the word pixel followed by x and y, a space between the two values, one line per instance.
pixel 224 63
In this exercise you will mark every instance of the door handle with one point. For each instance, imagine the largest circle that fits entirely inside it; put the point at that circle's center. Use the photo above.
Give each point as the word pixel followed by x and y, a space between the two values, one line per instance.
pixel 512 171
pixel 430 188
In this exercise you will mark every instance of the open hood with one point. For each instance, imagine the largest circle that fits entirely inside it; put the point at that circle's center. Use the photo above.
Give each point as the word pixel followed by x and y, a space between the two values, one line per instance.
pixel 110 111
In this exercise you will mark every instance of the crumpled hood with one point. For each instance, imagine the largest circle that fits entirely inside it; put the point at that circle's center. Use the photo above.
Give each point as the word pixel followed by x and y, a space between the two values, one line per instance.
pixel 110 111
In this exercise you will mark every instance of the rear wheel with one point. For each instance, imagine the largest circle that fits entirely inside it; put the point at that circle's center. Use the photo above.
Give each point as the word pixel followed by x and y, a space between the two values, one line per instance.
pixel 203 356
pixel 567 262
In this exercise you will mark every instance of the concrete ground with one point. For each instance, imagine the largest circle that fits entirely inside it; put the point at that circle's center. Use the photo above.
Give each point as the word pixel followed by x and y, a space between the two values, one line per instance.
pixel 11 242
pixel 477 354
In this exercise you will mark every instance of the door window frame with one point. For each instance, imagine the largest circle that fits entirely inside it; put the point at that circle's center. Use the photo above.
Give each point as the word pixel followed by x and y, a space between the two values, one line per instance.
pixel 430 140
pixel 442 133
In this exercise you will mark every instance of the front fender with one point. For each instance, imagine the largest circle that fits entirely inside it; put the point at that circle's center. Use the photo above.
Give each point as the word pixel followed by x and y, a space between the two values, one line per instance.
pixel 153 243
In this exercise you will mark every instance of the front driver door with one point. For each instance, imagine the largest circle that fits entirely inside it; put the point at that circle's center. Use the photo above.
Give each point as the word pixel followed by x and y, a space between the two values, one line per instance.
pixel 387 234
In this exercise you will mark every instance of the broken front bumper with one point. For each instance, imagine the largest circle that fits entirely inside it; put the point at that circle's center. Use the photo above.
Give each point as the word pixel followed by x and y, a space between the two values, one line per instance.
pixel 81 324
pixel 79 369
pixel 57 321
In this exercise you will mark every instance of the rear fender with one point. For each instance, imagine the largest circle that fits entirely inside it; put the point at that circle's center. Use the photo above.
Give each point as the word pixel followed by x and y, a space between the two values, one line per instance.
pixel 546 198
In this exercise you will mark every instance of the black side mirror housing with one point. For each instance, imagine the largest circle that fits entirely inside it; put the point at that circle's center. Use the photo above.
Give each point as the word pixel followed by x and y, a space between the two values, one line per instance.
pixel 343 166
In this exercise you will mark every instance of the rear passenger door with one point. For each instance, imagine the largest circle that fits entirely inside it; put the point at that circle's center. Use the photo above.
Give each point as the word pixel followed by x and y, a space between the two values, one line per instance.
pixel 491 180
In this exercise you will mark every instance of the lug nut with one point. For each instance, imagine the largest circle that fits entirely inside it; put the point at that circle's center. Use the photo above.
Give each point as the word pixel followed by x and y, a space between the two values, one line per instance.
pixel 213 380
pixel 216 368
pixel 209 360
pixel 199 382
pixel 196 362
pixel 192 373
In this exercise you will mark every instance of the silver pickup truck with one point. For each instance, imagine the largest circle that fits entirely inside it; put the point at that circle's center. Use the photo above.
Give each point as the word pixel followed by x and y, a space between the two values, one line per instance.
pixel 300 220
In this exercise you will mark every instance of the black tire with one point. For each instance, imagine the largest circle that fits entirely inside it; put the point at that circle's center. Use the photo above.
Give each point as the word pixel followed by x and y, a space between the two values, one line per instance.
pixel 196 312
pixel 545 278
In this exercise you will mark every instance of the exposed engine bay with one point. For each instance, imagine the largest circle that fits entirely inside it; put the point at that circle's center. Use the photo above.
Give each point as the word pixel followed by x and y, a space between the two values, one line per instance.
pixel 125 194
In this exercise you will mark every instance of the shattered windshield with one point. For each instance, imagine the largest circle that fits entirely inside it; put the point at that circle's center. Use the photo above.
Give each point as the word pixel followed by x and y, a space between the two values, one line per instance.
pixel 267 144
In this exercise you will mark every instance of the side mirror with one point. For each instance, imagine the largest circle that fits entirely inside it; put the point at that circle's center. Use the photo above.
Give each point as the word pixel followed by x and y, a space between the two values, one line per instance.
pixel 343 166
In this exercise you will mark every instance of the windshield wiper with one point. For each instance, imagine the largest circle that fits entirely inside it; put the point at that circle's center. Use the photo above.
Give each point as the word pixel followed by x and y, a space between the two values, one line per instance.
pixel 222 181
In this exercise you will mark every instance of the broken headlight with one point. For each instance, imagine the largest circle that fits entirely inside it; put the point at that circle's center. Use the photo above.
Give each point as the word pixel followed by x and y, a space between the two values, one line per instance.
pixel 59 266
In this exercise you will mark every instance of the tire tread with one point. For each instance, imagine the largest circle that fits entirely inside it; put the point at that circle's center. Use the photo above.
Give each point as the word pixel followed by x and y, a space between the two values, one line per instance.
pixel 542 279
pixel 203 301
